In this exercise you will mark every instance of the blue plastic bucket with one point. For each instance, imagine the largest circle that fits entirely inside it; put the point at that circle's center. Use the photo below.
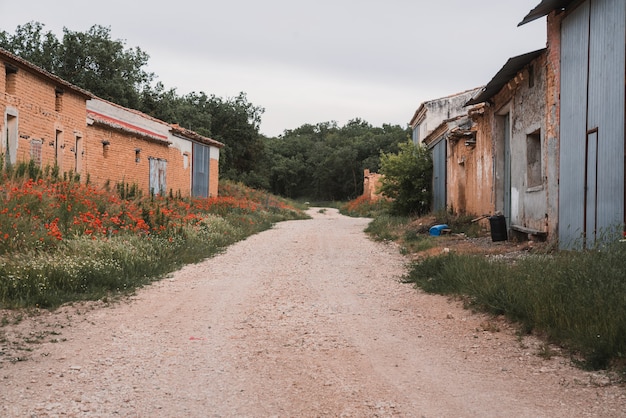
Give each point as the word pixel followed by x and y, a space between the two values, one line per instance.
pixel 435 231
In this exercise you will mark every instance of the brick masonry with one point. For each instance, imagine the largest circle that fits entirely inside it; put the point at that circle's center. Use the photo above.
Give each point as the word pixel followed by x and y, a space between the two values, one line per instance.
pixel 46 119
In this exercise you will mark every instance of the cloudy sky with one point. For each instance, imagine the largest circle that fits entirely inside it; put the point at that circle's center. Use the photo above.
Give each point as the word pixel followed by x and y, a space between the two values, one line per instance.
pixel 308 62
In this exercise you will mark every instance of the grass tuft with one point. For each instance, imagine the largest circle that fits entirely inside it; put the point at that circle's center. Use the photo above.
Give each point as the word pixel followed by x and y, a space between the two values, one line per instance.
pixel 575 298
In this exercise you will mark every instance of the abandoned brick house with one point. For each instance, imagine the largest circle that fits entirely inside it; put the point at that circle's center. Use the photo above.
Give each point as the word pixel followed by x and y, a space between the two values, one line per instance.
pixel 543 142
pixel 52 122
pixel 429 127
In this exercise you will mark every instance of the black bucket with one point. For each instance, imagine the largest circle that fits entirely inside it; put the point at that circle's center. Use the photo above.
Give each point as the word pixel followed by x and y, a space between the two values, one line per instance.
pixel 498 228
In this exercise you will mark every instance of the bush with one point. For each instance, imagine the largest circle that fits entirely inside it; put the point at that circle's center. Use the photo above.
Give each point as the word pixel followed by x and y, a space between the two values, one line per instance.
pixel 407 179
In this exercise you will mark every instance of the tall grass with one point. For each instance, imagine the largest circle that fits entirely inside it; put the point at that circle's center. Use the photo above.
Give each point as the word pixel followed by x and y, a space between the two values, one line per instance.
pixel 62 240
pixel 575 299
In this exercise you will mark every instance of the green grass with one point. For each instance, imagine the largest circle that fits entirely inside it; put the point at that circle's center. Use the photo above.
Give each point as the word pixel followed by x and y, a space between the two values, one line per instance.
pixel 386 227
pixel 577 299
pixel 62 241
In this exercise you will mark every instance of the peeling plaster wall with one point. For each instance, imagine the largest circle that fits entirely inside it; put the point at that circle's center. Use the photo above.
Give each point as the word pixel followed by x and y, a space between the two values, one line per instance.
pixel 476 173
pixel 528 201
pixel 432 113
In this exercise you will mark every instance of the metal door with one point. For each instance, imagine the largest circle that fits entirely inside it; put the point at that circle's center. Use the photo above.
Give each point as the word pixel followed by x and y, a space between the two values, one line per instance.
pixel 200 170
pixel 439 176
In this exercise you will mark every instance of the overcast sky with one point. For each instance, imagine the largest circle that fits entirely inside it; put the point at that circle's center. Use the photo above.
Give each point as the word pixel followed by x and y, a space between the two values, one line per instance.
pixel 308 62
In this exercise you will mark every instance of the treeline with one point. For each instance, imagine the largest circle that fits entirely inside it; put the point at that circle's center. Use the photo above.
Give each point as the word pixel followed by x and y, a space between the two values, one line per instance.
pixel 322 161
pixel 325 161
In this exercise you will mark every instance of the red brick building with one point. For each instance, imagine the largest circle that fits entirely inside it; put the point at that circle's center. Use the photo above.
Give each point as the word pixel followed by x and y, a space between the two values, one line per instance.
pixel 54 123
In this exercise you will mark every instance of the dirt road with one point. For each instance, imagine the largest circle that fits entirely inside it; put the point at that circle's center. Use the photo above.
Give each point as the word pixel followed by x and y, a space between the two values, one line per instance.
pixel 305 320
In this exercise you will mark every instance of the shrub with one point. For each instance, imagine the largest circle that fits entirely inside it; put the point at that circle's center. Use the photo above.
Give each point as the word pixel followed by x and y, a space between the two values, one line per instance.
pixel 407 179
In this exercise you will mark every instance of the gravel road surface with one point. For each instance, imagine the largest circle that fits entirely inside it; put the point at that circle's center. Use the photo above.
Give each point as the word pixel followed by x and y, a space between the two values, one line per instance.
pixel 308 319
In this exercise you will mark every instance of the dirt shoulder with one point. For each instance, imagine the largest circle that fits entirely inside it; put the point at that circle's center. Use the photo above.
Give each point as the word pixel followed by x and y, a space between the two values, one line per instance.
pixel 307 319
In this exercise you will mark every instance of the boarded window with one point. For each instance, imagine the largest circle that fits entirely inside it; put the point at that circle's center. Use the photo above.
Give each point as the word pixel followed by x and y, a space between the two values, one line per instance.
pixel 158 170
pixel 36 146
pixel 533 159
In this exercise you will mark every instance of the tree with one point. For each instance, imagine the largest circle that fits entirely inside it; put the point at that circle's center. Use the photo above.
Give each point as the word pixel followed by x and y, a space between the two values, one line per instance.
pixel 106 68
pixel 407 179
pixel 91 60
pixel 330 159
pixel 95 62
pixel 33 45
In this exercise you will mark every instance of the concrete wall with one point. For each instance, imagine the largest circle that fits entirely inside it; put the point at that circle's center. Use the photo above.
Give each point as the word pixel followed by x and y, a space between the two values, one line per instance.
pixel 432 113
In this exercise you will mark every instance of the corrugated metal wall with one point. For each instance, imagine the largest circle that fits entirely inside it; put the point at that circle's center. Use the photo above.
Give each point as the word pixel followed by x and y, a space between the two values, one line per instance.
pixel 439 175
pixel 591 187
pixel 606 110
pixel 200 170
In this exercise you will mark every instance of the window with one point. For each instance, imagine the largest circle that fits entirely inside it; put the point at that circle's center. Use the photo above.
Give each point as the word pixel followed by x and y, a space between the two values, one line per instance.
pixel 78 155
pixel 36 148
pixel 58 100
pixel 11 79
pixel 158 170
pixel 10 140
pixel 58 150
pixel 533 159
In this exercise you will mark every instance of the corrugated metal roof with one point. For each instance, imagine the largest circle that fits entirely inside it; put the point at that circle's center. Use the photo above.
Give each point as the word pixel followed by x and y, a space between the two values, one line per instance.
pixel 508 71
pixel 186 133
pixel 544 8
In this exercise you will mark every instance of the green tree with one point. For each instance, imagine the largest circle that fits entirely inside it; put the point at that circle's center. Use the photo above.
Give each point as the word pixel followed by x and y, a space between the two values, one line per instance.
pixel 91 60
pixel 95 62
pixel 326 161
pixel 32 44
pixel 408 179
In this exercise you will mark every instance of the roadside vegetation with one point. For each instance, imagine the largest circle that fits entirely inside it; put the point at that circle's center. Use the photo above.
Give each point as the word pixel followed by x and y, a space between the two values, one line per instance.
pixel 63 240
pixel 576 300
pixel 573 299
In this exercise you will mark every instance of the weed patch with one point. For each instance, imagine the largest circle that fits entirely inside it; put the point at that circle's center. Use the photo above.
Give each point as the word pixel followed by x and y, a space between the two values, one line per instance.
pixel 61 240
pixel 575 299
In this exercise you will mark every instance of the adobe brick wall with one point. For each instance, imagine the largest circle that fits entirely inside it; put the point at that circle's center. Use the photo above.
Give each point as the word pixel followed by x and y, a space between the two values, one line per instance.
pixel 371 185
pixel 116 162
pixel 52 128
pixel 33 100
pixel 214 172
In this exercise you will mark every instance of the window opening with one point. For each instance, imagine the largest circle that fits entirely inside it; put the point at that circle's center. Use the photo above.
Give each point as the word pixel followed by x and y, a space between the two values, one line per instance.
pixel 533 159
pixel 10 79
